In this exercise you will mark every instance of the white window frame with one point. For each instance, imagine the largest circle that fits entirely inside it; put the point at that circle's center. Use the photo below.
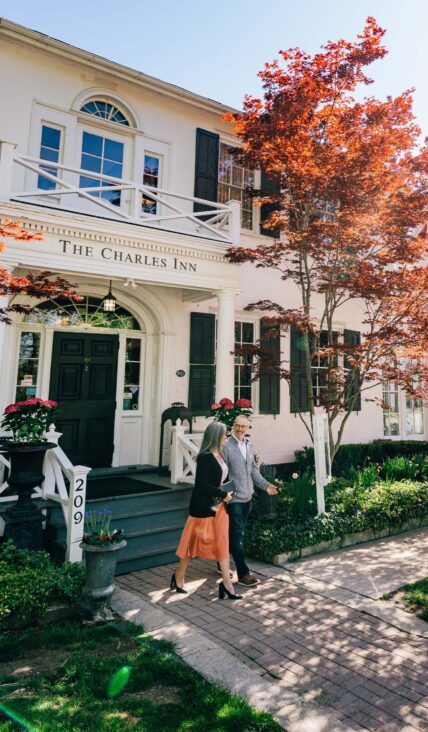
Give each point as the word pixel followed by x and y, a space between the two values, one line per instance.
pixel 256 333
pixel 255 228
pixel 160 158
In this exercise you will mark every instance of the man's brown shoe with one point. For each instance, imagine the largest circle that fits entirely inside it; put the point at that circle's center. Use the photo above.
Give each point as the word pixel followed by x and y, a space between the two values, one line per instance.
pixel 248 581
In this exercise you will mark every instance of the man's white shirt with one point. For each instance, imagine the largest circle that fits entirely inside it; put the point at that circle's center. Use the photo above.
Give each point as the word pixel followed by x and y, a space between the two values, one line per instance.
pixel 242 446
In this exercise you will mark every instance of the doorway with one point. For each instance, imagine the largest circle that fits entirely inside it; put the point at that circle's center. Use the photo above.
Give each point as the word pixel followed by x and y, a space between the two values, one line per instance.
pixel 83 382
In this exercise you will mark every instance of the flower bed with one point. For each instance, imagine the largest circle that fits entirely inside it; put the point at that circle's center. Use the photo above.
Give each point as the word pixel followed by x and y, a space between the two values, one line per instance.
pixel 351 509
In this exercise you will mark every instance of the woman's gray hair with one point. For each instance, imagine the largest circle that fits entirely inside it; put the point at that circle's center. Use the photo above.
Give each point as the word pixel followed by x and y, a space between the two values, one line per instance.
pixel 212 437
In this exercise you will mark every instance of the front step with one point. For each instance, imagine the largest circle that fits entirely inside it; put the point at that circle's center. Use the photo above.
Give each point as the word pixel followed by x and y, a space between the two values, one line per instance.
pixel 152 521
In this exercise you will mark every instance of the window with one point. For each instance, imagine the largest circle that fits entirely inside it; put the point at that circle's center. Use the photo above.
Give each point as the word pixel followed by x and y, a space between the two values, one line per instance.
pixel 322 390
pixel 105 110
pixel 150 178
pixel 64 312
pixel 105 157
pixel 28 365
pixel 131 388
pixel 391 417
pixel 234 184
pixel 49 150
pixel 244 336
pixel 414 412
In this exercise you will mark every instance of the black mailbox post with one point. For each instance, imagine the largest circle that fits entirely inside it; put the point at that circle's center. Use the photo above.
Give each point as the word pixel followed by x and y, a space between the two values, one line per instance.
pixel 177 410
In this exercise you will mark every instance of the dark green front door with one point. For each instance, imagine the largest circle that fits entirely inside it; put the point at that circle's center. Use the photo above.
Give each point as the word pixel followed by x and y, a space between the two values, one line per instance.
pixel 83 382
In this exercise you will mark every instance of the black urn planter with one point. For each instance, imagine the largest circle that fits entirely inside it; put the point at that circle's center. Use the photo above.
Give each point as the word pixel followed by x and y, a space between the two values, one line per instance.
pixel 24 520
pixel 267 505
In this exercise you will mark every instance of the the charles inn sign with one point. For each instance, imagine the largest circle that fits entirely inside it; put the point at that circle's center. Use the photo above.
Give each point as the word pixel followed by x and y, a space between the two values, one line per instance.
pixel 140 259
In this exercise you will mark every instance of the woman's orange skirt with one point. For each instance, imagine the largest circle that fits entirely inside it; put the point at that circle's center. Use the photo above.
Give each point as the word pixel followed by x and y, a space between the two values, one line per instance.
pixel 207 538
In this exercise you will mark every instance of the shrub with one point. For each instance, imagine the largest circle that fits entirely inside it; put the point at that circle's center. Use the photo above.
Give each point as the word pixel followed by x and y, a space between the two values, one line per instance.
pixel 365 476
pixel 403 468
pixel 350 509
pixel 357 455
pixel 298 497
pixel 30 582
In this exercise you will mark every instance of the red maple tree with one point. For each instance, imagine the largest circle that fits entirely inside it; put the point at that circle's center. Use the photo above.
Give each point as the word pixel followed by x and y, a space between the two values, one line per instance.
pixel 41 285
pixel 351 201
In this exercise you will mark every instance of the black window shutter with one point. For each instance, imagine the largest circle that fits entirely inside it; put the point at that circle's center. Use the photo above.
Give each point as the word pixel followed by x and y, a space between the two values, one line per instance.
pixel 352 338
pixel 206 167
pixel 299 401
pixel 202 366
pixel 269 186
pixel 269 400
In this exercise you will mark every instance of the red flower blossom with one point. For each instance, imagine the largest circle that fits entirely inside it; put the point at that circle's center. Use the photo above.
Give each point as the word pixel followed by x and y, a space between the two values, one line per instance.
pixel 215 406
pixel 224 401
pixel 245 403
pixel 11 408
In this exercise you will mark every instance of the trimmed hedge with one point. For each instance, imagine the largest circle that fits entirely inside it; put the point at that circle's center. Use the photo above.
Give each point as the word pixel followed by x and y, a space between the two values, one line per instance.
pixel 356 455
pixel 350 509
pixel 30 582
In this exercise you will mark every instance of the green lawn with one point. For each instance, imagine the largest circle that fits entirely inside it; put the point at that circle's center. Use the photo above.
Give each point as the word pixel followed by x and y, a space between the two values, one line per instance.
pixel 68 677
pixel 413 598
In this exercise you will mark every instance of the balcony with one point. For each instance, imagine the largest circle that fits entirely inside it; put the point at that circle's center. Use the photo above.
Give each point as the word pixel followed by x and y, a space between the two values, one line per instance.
pixel 20 177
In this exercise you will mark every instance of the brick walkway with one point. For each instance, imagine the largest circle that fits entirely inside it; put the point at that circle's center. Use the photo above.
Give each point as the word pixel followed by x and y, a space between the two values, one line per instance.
pixel 371 674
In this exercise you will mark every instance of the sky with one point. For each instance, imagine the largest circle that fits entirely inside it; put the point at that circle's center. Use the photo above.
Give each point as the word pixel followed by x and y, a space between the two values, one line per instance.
pixel 216 47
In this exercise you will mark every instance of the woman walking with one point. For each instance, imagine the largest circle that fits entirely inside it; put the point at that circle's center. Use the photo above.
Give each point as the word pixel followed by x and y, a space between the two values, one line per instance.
pixel 206 533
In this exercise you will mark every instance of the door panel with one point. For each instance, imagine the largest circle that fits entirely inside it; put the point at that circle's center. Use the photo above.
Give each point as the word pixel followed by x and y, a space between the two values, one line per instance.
pixel 69 381
pixel 83 382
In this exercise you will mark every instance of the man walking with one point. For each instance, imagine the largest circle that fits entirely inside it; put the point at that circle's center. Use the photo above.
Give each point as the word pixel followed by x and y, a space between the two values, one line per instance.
pixel 239 457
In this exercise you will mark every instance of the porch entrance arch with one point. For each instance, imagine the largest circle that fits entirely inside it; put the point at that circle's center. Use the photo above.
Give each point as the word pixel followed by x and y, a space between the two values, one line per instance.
pixel 84 373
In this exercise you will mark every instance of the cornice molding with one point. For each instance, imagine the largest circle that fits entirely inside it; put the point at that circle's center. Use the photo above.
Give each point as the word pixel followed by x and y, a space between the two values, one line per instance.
pixel 111 232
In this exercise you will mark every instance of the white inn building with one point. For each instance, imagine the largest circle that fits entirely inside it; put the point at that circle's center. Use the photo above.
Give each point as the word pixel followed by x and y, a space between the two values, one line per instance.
pixel 114 167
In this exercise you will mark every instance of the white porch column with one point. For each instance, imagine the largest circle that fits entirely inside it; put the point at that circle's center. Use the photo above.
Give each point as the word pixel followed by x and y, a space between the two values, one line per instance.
pixel 4 301
pixel 7 150
pixel 235 222
pixel 225 345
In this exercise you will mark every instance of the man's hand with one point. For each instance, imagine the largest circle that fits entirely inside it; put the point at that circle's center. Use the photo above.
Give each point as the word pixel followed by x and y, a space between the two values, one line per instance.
pixel 271 490
pixel 228 497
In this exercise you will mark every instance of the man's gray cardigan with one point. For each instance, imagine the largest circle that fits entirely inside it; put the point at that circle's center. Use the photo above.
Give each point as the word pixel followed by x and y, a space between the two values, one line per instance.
pixel 244 473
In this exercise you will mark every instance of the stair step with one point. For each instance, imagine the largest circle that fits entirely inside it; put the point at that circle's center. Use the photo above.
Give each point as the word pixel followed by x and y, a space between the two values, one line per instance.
pixel 153 511
pixel 152 532
pixel 151 560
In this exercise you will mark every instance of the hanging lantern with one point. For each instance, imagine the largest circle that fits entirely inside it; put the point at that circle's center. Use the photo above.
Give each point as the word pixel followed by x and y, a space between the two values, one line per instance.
pixel 109 301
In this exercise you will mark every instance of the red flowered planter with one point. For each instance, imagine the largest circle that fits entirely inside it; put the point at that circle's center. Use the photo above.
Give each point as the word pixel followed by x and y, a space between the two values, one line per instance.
pixel 226 411
pixel 28 421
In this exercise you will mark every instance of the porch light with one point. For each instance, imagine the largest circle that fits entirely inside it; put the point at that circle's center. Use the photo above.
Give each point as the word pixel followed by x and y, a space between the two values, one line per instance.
pixel 109 301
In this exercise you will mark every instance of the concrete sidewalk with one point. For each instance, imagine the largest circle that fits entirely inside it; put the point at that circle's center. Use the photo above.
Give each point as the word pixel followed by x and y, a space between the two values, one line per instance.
pixel 309 644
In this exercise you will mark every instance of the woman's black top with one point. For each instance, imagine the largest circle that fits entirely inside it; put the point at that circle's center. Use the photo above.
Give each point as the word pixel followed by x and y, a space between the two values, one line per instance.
pixel 207 486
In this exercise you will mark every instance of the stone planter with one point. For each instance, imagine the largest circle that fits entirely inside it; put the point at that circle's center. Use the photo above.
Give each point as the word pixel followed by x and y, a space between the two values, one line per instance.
pixel 100 563
pixel 23 520
pixel 267 505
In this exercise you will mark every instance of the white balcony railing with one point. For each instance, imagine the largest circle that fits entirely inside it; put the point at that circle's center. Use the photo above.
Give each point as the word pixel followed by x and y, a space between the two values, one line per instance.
pixel 174 211
pixel 65 484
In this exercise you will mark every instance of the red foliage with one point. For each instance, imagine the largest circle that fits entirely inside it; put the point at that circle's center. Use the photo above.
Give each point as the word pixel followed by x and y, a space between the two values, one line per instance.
pixel 353 195
pixel 39 286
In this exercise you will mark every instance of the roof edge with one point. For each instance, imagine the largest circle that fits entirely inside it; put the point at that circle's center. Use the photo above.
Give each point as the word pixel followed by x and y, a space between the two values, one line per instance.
pixel 30 37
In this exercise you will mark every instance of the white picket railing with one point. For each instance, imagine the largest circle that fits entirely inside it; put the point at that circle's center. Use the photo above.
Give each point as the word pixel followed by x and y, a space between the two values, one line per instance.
pixel 58 472
pixel 185 447
pixel 220 221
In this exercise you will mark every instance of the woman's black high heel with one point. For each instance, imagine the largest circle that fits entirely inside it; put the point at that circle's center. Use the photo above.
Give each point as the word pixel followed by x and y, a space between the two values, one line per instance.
pixel 174 586
pixel 222 592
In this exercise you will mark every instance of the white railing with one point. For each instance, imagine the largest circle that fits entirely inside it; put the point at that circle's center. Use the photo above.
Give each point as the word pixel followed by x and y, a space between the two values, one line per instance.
pixel 185 447
pixel 58 472
pixel 174 211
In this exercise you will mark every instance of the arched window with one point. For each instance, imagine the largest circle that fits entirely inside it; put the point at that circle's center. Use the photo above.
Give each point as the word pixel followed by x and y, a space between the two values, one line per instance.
pixel 104 110
pixel 89 311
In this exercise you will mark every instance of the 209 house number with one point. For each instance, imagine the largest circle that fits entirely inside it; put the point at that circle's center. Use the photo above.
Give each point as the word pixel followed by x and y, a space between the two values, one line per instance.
pixel 78 502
